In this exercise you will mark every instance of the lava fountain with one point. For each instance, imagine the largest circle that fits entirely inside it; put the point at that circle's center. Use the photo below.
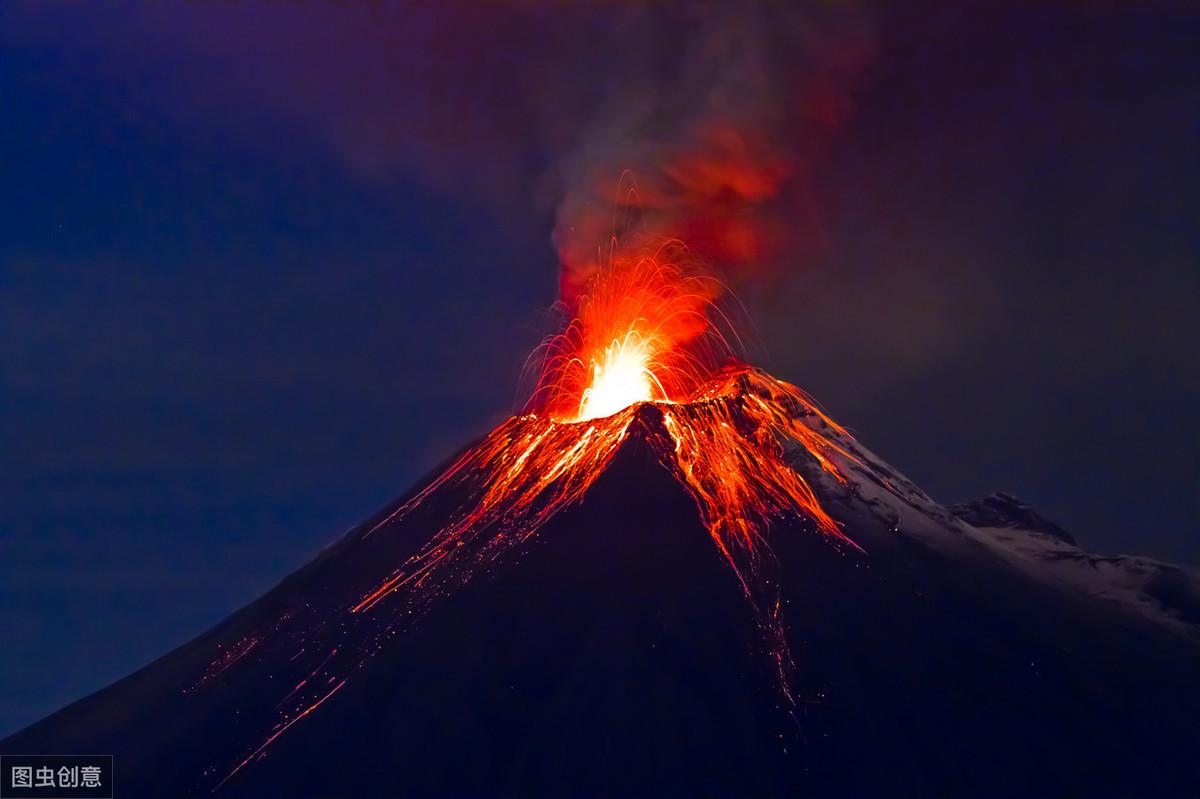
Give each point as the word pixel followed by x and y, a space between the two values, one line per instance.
pixel 644 330
pixel 648 353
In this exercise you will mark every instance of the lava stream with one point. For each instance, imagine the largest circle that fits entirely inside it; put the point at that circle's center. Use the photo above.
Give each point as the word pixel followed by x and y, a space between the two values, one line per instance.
pixel 726 445
pixel 646 332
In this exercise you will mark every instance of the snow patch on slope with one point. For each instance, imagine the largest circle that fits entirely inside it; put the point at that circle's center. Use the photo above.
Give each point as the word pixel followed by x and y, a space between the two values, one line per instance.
pixel 1009 529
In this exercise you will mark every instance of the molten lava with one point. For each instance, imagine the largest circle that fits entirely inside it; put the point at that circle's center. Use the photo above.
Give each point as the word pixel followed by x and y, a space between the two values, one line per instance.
pixel 644 356
pixel 642 333
pixel 643 330
pixel 621 376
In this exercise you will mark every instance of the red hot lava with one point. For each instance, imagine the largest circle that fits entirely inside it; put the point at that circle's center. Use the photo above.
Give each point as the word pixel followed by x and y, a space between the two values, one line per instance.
pixel 646 332
pixel 643 332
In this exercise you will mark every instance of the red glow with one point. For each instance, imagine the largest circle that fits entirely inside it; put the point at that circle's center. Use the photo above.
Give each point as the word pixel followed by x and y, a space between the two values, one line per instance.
pixel 643 335
pixel 643 332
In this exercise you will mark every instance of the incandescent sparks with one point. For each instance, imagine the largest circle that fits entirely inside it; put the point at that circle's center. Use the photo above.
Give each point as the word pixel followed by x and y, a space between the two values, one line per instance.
pixel 620 377
pixel 642 334
pixel 644 357
pixel 644 329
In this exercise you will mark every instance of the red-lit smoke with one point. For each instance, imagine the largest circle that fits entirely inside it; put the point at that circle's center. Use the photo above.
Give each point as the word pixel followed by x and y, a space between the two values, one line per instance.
pixel 709 132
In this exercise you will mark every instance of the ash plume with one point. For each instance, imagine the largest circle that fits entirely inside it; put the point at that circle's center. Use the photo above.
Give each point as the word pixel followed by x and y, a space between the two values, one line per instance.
pixel 707 131
pixel 700 121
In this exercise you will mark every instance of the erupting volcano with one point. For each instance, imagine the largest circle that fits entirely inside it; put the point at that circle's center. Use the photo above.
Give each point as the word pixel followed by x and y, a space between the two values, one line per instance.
pixel 671 574
pixel 642 335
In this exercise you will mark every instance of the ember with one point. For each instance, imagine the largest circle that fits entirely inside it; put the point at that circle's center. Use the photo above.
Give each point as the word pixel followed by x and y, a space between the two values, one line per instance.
pixel 643 332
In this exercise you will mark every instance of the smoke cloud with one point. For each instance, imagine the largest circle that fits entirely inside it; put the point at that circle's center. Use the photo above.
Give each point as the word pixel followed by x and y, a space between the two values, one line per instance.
pixel 700 121
pixel 712 121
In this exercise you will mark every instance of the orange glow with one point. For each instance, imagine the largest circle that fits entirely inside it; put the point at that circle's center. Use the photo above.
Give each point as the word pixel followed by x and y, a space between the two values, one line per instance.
pixel 621 376
pixel 283 727
pixel 641 335
pixel 726 444
pixel 642 358
pixel 642 330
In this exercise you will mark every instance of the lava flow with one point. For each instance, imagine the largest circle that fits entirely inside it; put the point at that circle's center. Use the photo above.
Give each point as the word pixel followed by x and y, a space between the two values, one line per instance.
pixel 643 332
pixel 648 354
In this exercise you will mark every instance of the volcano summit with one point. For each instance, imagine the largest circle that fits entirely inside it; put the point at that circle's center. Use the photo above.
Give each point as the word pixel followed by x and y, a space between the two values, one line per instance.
pixel 727 596
pixel 672 575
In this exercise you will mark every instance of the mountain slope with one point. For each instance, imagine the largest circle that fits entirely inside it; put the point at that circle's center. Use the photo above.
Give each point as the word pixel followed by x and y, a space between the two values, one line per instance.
pixel 614 653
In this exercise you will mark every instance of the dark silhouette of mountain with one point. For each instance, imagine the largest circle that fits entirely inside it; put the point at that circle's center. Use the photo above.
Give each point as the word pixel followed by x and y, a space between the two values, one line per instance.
pixel 615 654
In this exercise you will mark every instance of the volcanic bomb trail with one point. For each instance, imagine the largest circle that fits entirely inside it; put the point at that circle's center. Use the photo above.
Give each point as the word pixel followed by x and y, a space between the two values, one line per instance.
pixel 647 332
pixel 593 594
pixel 643 333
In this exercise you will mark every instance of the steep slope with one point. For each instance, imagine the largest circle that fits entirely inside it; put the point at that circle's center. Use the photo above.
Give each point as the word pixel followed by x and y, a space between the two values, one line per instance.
pixel 1160 591
pixel 614 652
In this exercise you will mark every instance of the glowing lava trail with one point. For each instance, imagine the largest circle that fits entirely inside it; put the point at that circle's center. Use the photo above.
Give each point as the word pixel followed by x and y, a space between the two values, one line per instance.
pixel 644 355
pixel 641 334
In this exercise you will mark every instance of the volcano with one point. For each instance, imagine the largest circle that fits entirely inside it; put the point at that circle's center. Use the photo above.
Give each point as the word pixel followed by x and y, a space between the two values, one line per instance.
pixel 725 597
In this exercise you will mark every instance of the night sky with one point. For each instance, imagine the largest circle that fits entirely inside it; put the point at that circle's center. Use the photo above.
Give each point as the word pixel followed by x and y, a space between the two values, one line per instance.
pixel 262 266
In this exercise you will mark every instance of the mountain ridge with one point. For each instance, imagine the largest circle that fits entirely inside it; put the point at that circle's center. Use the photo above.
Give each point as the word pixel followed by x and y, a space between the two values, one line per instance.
pixel 614 652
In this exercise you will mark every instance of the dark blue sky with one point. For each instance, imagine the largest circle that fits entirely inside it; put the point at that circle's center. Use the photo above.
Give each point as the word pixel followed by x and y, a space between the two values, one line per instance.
pixel 262 266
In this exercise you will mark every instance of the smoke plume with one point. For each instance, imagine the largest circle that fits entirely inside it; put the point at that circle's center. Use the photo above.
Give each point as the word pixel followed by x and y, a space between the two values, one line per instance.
pixel 707 131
